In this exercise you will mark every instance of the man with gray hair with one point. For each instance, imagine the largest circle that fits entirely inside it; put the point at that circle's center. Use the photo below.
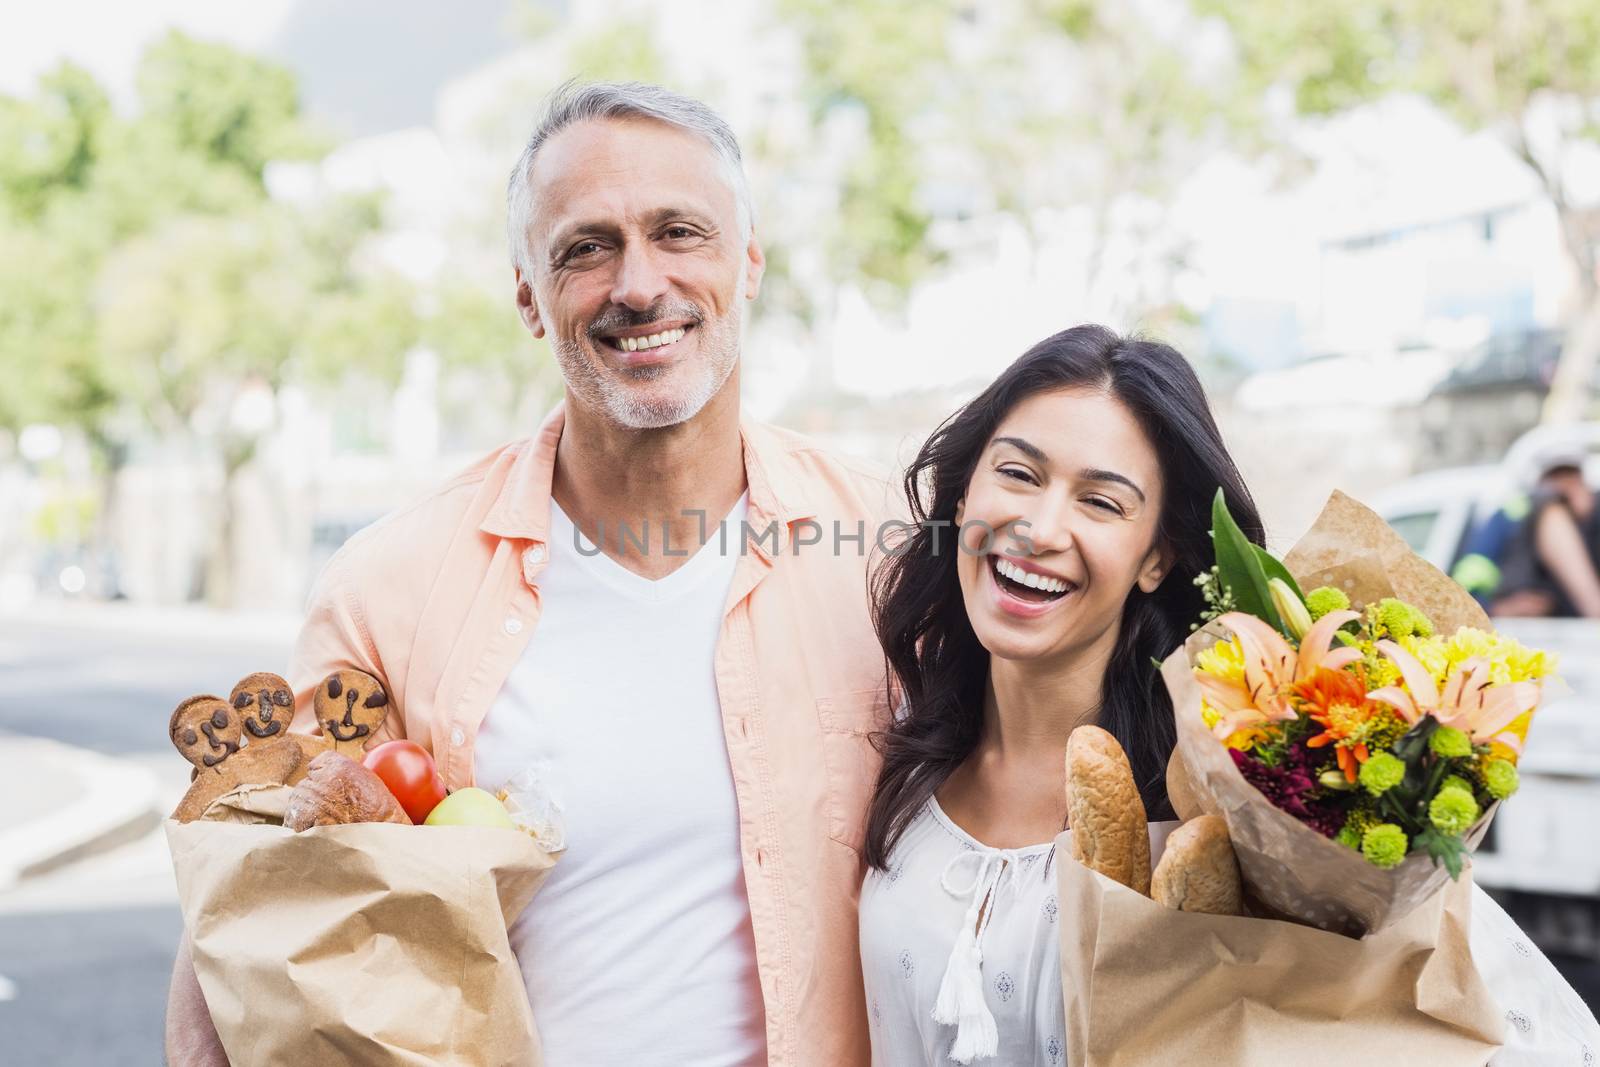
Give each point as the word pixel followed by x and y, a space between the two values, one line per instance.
pixel 698 705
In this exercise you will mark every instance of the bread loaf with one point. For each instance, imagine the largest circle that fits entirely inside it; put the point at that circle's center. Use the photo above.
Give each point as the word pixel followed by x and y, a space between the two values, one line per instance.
pixel 1180 789
pixel 1104 810
pixel 339 790
pixel 1198 871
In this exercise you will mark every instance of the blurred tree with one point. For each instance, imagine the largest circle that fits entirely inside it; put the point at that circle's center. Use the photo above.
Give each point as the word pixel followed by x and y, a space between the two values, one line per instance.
pixel 150 286
pixel 476 332
pixel 1025 111
pixel 1527 70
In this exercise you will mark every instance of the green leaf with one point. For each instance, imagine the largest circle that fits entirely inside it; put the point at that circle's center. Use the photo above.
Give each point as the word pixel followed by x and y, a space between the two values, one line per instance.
pixel 1445 849
pixel 1275 569
pixel 1238 567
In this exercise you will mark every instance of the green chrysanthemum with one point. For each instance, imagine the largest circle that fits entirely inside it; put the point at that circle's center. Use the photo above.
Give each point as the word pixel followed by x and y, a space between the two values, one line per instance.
pixel 1358 822
pixel 1454 781
pixel 1324 599
pixel 1500 778
pixel 1384 845
pixel 1452 811
pixel 1381 773
pixel 1421 625
pixel 1451 743
pixel 1399 619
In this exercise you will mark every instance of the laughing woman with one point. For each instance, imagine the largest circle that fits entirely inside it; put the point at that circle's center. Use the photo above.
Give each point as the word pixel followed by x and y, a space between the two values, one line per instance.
pixel 1080 483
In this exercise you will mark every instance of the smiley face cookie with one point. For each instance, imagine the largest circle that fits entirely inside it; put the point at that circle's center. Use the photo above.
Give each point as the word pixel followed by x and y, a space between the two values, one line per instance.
pixel 206 731
pixel 272 763
pixel 351 706
pixel 265 703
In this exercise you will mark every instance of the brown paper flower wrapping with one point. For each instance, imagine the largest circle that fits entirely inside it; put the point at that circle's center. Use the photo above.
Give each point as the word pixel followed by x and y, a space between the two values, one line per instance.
pixel 1288 867
pixel 370 943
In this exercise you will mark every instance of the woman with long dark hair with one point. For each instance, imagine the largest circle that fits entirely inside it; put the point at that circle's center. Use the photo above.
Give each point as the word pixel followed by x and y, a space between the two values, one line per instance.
pixel 1062 518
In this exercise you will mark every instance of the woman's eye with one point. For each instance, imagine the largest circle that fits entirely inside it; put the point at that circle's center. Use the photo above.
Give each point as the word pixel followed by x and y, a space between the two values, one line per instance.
pixel 1105 505
pixel 1017 474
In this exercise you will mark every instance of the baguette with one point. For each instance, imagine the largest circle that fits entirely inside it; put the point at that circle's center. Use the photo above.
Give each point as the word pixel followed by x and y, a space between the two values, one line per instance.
pixel 1104 811
pixel 1198 871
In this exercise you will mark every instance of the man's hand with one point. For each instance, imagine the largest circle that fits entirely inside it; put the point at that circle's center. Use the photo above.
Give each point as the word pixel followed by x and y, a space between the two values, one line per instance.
pixel 191 1038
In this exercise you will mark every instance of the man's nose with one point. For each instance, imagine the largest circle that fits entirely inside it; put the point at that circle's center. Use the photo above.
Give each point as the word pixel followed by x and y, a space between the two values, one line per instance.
pixel 640 281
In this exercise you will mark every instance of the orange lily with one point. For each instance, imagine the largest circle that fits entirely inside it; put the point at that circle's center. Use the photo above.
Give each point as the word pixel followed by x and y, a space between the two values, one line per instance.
pixel 1271 667
pixel 1468 702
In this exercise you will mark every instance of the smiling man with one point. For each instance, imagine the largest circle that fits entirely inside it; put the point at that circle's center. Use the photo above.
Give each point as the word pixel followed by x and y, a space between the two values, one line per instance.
pixel 657 608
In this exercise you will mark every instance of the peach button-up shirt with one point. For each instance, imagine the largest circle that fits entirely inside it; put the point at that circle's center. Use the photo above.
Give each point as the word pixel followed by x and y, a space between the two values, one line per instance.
pixel 440 599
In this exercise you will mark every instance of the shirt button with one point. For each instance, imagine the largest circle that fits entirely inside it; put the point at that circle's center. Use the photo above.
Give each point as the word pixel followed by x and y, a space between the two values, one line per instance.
pixel 457 737
pixel 534 554
pixel 512 626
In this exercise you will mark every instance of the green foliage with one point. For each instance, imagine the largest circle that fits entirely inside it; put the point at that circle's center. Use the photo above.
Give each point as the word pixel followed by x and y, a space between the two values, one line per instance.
pixel 1243 567
pixel 624 51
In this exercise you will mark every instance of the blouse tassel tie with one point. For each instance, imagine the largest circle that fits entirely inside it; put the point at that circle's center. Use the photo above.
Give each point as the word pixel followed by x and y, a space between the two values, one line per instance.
pixel 961 1002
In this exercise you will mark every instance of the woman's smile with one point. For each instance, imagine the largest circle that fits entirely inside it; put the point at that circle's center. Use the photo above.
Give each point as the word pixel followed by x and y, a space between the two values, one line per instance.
pixel 1025 590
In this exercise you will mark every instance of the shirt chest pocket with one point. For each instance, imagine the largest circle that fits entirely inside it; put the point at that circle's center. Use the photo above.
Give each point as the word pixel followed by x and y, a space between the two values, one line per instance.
pixel 850 763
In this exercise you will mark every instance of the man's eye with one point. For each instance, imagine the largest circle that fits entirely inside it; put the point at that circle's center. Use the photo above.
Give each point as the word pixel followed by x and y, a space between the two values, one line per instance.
pixel 584 248
pixel 679 233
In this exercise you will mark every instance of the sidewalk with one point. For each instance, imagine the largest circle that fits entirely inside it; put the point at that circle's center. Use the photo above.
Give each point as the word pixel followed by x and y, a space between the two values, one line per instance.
pixel 59 803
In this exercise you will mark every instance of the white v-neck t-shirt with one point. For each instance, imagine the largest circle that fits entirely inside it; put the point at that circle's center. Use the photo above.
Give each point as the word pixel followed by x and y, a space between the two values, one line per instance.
pixel 639 947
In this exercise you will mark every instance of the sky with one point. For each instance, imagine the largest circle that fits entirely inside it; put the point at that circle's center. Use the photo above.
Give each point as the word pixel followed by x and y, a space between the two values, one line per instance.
pixel 106 37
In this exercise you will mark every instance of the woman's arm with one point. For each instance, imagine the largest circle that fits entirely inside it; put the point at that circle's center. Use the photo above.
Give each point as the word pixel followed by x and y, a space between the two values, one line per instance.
pixel 1562 551
pixel 192 1040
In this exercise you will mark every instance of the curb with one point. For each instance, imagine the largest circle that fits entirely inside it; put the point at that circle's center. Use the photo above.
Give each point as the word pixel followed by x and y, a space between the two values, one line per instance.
pixel 118 805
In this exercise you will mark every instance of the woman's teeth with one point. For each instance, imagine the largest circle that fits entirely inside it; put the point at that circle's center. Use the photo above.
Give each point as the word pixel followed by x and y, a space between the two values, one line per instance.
pixel 1028 578
pixel 655 340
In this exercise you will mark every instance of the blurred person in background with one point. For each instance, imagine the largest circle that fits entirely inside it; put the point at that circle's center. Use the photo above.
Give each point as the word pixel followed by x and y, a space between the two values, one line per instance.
pixel 696 704
pixel 1551 562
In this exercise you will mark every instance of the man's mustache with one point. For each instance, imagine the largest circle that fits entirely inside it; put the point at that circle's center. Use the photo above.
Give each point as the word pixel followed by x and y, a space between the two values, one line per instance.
pixel 623 318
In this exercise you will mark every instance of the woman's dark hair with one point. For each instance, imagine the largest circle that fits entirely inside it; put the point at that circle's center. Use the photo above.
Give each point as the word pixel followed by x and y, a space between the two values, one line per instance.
pixel 918 610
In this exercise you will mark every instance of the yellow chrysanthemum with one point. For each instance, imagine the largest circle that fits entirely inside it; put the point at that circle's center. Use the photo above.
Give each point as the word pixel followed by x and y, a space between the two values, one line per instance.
pixel 1225 660
pixel 1509 660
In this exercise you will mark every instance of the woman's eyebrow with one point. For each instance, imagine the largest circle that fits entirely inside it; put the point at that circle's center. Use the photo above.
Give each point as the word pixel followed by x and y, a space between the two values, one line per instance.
pixel 1027 448
pixel 1093 474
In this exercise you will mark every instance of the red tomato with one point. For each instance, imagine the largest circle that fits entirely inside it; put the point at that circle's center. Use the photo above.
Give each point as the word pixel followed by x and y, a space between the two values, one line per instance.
pixel 407 769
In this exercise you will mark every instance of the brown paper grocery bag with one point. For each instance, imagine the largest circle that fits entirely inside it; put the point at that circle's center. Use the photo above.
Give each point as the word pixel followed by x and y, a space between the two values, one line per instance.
pixel 369 943
pixel 1144 984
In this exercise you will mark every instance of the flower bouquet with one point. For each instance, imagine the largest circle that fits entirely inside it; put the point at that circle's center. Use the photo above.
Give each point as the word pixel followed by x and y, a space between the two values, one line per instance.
pixel 1356 741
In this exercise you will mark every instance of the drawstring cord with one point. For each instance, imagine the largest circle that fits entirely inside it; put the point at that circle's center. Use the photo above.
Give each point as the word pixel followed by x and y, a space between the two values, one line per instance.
pixel 961 1002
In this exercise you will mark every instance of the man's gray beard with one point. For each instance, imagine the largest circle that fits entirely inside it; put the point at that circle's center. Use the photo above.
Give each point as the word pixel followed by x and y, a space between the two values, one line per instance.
pixel 719 346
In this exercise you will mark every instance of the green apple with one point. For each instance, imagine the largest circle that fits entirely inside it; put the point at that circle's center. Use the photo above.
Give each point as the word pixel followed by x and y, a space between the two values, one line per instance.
pixel 469 807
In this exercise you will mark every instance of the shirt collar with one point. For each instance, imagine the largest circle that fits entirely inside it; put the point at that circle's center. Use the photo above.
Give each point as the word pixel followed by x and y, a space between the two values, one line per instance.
pixel 521 510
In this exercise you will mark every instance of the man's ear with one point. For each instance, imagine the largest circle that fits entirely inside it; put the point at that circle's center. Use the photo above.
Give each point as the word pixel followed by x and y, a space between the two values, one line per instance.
pixel 755 267
pixel 1156 566
pixel 527 306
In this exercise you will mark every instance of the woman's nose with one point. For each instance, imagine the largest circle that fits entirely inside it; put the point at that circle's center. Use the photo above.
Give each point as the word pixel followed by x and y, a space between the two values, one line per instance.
pixel 1046 529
